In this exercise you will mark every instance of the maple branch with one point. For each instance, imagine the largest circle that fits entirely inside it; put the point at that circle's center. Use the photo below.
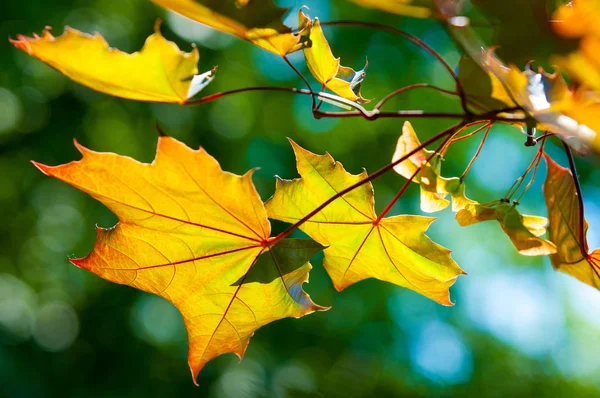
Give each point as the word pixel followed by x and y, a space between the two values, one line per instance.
pixel 583 243
pixel 371 177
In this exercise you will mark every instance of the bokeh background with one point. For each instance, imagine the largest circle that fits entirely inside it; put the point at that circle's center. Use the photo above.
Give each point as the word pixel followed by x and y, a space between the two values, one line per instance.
pixel 517 329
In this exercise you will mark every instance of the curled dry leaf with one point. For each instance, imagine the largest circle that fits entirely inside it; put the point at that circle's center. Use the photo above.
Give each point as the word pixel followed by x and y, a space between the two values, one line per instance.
pixel 258 21
pixel 326 69
pixel 565 229
pixel 360 246
pixel 159 72
pixel 197 236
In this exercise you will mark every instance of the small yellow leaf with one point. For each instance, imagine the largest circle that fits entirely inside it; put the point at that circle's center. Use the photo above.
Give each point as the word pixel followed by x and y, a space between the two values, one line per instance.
pixel 326 69
pixel 524 231
pixel 197 236
pixel 572 255
pixel 257 21
pixel 159 72
pixel 434 187
pixel 359 246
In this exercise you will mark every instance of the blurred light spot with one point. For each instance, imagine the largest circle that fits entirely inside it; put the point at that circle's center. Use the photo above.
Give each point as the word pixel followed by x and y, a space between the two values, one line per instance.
pixel 56 326
pixel 274 68
pixel 17 302
pixel 233 117
pixel 584 300
pixel 245 380
pixel 156 321
pixel 292 380
pixel 440 354
pixel 10 111
pixel 60 227
pixel 502 160
pixel 303 116
pixel 518 309
pixel 193 31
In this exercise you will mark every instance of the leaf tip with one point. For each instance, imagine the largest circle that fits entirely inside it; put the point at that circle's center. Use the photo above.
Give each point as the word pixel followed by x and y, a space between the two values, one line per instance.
pixel 42 167
pixel 83 150
pixel 78 262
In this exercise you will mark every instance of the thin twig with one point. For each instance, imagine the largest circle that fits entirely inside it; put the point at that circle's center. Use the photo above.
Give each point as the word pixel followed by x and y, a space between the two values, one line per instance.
pixel 314 101
pixel 582 241
pixel 488 127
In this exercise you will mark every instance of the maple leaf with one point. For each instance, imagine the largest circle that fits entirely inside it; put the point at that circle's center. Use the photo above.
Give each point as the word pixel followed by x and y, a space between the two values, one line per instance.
pixel 159 72
pixel 257 21
pixel 360 246
pixel 524 231
pixel 197 236
pixel 565 229
pixel 326 69
pixel 434 187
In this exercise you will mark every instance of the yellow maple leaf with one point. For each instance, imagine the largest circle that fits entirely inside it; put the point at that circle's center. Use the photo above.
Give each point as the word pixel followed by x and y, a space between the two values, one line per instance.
pixel 257 21
pixel 393 249
pixel 572 255
pixel 434 187
pixel 326 69
pixel 159 72
pixel 197 236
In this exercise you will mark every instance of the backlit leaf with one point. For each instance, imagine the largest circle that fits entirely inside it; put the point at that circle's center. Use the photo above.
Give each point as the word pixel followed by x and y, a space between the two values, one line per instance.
pixel 159 72
pixel 572 256
pixel 197 236
pixel 524 231
pixel 327 70
pixel 258 21
pixel 434 187
pixel 393 249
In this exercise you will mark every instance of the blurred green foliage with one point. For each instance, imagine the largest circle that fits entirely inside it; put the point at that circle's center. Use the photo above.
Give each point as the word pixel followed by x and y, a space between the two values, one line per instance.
pixel 518 328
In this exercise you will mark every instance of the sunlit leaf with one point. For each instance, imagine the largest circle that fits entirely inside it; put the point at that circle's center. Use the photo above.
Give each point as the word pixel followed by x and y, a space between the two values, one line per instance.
pixel 159 72
pixel 524 231
pixel 258 21
pixel 327 70
pixel 572 255
pixel 434 187
pixel 393 249
pixel 197 236
pixel 581 20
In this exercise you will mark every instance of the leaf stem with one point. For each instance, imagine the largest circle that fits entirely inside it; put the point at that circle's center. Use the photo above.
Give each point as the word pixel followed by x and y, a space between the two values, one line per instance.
pixel 583 242
pixel 314 102
pixel 371 177
pixel 488 127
